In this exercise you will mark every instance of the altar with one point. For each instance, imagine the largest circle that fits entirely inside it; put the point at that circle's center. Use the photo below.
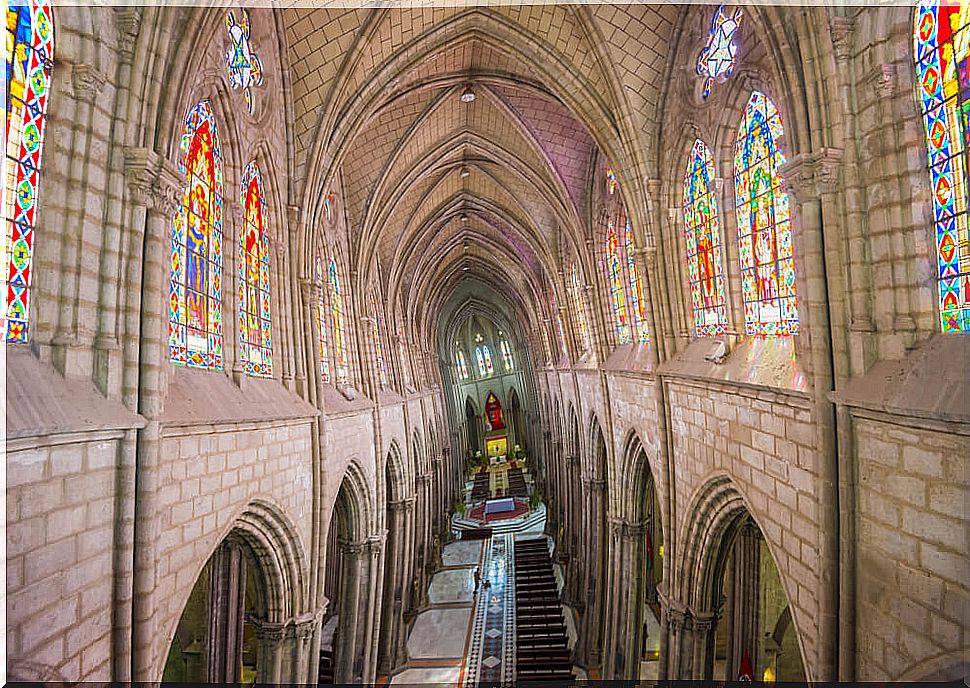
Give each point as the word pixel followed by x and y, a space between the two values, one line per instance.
pixel 498 506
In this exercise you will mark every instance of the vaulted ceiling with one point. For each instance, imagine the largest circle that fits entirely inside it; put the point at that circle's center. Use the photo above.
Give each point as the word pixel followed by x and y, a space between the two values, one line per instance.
pixel 440 192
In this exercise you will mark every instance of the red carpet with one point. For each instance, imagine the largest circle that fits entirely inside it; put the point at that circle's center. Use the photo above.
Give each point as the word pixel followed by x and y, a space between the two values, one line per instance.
pixel 478 513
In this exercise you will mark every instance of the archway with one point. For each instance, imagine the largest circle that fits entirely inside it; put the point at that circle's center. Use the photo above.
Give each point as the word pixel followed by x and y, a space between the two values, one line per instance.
pixel 244 620
pixel 342 645
pixel 397 569
pixel 739 621
pixel 474 433
pixel 215 640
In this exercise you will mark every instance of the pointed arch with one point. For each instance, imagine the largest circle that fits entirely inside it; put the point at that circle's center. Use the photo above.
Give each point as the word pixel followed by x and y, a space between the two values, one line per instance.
pixel 940 35
pixel 764 222
pixel 255 320
pixel 702 234
pixel 195 318
pixel 30 61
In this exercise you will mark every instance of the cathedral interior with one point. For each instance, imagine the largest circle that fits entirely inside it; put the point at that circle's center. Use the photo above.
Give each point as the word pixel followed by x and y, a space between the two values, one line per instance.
pixel 486 343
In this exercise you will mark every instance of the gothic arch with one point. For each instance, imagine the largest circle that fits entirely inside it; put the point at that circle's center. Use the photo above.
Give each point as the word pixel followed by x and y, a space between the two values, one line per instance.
pixel 717 510
pixel 354 505
pixel 397 473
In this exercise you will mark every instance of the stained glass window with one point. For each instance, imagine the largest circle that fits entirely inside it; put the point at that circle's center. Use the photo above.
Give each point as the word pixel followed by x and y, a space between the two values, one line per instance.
pixel 322 324
pixel 610 180
pixel 703 236
pixel 636 288
pixel 30 54
pixel 488 359
pixel 717 59
pixel 560 333
pixel 461 364
pixel 617 297
pixel 378 345
pixel 195 319
pixel 339 327
pixel 942 46
pixel 255 327
pixel 242 64
pixel 578 303
pixel 328 207
pixel 507 356
pixel 481 361
pixel 764 223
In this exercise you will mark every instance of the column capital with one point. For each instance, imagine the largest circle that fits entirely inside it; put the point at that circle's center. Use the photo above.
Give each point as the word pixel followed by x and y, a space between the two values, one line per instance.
pixel 272 632
pixel 351 547
pixel 842 29
pixel 808 176
pixel 597 484
pixel 87 82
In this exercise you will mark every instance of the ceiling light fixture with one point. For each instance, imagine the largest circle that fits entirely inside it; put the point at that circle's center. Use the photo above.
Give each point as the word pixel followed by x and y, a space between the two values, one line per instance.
pixel 464 218
pixel 468 95
pixel 463 172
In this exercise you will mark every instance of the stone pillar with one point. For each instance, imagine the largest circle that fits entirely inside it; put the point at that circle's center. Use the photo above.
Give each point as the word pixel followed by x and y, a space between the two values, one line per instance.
pixel 304 632
pixel 269 653
pixel 629 617
pixel 596 569
pixel 705 630
pixel 407 552
pixel 375 584
pixel 227 590
pixel 391 609
pixel 745 599
pixel 345 651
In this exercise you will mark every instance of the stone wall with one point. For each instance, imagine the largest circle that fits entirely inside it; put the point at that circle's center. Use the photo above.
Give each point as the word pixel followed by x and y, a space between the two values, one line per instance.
pixel 913 563
pixel 60 557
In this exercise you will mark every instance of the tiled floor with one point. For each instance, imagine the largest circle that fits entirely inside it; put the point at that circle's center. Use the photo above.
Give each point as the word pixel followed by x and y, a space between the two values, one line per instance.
pixel 439 633
pixel 452 585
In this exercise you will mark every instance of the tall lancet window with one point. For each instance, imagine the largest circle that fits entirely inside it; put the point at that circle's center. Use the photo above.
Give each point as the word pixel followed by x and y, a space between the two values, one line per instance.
pixel 461 365
pixel 507 356
pixel 764 223
pixel 378 344
pixel 322 324
pixel 636 289
pixel 617 297
pixel 255 326
pixel 941 49
pixel 487 355
pixel 339 327
pixel 30 55
pixel 703 237
pixel 481 361
pixel 195 319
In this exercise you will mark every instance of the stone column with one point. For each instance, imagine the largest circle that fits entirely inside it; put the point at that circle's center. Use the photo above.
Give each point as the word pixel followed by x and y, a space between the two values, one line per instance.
pixel 595 570
pixel 391 609
pixel 612 596
pixel 269 657
pixel 407 552
pixel 705 630
pixel 227 590
pixel 745 599
pixel 375 585
pixel 345 651
pixel 303 632
pixel 629 617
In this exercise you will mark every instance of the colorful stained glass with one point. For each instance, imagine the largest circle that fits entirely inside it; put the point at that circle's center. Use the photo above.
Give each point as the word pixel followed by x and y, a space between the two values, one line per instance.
pixel 242 64
pixel 610 180
pixel 507 356
pixel 636 288
pixel 617 297
pixel 579 304
pixel 487 355
pixel 461 364
pixel 378 344
pixel 328 207
pixel 941 47
pixel 255 324
pixel 322 324
pixel 560 332
pixel 764 223
pixel 195 318
pixel 30 55
pixel 703 236
pixel 339 327
pixel 481 361
pixel 717 59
